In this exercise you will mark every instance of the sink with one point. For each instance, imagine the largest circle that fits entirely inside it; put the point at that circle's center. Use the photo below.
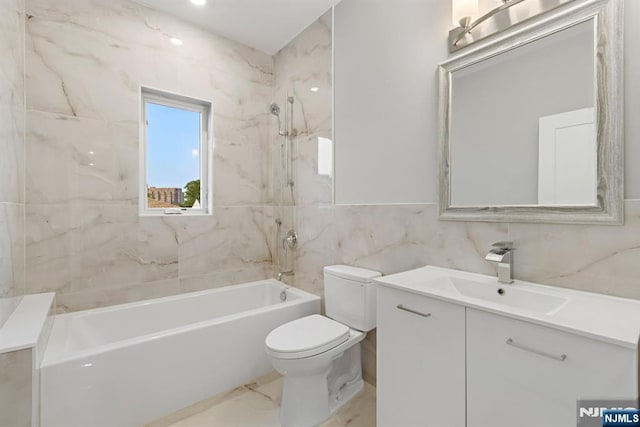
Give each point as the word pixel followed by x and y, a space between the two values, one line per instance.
pixel 603 317
pixel 507 295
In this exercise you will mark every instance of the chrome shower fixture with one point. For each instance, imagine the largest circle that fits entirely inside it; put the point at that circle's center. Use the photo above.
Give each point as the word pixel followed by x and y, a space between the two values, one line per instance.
pixel 275 110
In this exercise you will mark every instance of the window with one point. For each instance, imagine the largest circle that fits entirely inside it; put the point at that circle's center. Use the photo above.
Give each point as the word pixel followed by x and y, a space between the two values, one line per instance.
pixel 175 161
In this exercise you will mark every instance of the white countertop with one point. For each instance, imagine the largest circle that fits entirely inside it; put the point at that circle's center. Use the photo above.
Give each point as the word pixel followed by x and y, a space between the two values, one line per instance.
pixel 602 317
pixel 23 328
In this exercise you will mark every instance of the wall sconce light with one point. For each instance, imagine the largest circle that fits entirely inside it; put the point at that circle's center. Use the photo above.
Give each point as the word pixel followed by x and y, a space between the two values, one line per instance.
pixel 464 14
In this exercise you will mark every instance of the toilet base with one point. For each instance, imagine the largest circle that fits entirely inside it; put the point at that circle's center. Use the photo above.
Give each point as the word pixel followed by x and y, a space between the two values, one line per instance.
pixel 308 400
pixel 346 394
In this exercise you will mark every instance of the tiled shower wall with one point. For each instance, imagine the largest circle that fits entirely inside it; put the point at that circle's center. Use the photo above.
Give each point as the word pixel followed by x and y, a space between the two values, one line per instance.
pixel 305 64
pixel 85 62
pixel 11 155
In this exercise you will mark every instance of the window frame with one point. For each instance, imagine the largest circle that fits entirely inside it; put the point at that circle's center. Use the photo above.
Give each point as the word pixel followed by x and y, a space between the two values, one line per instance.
pixel 205 108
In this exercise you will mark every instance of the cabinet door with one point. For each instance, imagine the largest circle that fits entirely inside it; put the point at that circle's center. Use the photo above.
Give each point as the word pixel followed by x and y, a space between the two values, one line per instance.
pixel 420 356
pixel 527 375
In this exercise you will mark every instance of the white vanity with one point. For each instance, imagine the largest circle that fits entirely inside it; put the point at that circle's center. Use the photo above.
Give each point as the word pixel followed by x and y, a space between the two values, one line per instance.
pixel 459 349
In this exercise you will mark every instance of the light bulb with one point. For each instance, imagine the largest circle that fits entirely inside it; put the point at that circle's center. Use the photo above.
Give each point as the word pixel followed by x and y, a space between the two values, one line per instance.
pixel 464 11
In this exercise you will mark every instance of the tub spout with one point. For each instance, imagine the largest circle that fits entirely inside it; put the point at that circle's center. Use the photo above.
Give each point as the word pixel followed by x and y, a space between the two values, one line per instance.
pixel 284 273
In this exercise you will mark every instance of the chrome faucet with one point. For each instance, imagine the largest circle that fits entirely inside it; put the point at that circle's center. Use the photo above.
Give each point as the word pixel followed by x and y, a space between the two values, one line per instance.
pixel 284 273
pixel 502 255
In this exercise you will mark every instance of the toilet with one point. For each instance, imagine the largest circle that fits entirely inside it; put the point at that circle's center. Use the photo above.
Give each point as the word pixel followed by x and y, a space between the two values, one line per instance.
pixel 320 356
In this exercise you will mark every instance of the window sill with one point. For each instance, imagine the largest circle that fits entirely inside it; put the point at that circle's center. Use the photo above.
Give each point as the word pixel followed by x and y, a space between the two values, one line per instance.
pixel 176 212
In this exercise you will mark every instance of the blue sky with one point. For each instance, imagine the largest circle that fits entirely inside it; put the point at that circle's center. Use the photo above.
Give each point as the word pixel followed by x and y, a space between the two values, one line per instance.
pixel 173 141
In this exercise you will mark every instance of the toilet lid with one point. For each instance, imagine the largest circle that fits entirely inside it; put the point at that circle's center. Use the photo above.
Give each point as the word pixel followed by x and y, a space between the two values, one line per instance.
pixel 306 337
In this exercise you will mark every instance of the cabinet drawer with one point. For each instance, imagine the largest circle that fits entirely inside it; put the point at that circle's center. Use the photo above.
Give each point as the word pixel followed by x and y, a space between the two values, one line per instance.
pixel 420 356
pixel 523 374
pixel 407 305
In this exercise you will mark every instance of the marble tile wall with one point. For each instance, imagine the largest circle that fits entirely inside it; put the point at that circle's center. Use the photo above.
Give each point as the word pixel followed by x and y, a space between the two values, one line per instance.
pixel 305 64
pixel 15 388
pixel 12 112
pixel 390 239
pixel 85 63
pixel 15 367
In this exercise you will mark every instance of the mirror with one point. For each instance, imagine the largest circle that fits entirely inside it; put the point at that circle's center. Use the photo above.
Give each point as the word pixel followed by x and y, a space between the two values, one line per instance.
pixel 532 124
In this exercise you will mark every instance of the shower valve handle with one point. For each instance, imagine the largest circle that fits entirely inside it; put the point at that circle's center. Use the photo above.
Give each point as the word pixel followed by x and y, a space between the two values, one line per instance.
pixel 291 239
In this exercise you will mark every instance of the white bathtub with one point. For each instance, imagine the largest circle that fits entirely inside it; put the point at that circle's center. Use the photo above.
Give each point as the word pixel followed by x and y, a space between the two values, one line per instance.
pixel 127 365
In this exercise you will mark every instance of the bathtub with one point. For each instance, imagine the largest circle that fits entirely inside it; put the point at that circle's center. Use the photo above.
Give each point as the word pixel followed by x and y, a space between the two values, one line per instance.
pixel 129 364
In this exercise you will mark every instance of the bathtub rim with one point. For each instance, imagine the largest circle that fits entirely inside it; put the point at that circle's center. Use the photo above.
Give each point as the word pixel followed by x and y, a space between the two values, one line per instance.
pixel 63 357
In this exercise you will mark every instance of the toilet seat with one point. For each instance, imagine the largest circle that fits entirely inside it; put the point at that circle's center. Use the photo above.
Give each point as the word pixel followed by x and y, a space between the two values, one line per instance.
pixel 306 337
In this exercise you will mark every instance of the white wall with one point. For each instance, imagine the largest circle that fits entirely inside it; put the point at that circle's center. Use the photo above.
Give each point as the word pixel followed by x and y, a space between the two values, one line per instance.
pixel 386 54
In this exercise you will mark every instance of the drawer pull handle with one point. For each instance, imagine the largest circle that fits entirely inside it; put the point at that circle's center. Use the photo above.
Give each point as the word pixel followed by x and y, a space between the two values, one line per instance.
pixel 560 358
pixel 402 307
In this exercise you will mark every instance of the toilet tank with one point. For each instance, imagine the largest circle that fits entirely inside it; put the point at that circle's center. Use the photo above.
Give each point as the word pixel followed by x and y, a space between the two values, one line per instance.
pixel 350 296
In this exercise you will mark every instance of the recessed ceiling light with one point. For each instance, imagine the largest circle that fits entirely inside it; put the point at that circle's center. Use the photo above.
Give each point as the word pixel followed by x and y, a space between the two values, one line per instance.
pixel 315 89
pixel 176 41
pixel 199 2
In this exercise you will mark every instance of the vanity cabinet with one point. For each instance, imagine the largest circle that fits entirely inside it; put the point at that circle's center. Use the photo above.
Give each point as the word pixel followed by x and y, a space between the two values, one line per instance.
pixel 442 364
pixel 527 375
pixel 421 362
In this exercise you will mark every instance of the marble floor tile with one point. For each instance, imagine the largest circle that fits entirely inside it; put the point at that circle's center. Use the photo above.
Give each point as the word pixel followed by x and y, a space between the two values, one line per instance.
pixel 258 405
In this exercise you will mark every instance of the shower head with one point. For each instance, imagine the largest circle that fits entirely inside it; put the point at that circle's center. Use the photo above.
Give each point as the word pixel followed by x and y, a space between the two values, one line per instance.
pixel 275 110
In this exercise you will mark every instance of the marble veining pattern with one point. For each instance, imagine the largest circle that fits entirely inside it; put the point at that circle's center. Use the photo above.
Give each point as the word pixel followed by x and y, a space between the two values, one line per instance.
pixel 233 236
pixel 11 101
pixel 11 251
pixel 75 160
pixel 121 45
pixel 85 63
pixel 74 247
pixel 589 258
pixel 12 116
pixel 115 256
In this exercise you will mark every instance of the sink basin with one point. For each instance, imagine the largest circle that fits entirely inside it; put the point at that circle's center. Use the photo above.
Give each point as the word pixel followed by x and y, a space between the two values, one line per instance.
pixel 509 295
